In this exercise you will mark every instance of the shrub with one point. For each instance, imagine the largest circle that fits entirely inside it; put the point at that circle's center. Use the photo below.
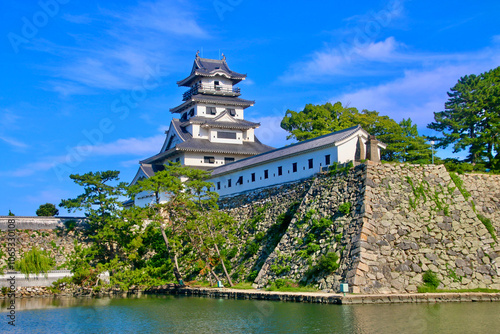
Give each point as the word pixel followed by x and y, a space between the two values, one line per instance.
pixel 312 248
pixel 70 224
pixel 430 280
pixel 252 276
pixel 345 208
pixel 34 262
pixel 328 263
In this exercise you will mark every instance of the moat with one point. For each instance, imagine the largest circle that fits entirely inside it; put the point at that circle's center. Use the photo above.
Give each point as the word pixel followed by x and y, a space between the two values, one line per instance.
pixel 174 314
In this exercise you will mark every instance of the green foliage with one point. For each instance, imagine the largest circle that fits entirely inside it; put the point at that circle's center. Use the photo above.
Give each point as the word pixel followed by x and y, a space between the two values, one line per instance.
pixel 431 280
pixel 335 168
pixel 47 209
pixel 70 225
pixel 453 275
pixel 345 208
pixel 34 262
pixel 252 276
pixel 471 120
pixel 10 213
pixel 312 248
pixel 328 263
pixel 251 249
pixel 402 139
pixel 489 226
pixel 338 238
pixel 460 185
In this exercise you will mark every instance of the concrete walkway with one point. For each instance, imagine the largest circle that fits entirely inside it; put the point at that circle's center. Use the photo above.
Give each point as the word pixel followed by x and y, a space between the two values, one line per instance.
pixel 327 298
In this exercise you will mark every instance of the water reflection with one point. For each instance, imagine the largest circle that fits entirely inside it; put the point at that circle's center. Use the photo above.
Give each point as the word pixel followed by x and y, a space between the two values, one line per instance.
pixel 152 314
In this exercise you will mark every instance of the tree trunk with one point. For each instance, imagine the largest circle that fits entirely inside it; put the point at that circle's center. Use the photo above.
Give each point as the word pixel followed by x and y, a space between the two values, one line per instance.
pixel 223 265
pixel 173 258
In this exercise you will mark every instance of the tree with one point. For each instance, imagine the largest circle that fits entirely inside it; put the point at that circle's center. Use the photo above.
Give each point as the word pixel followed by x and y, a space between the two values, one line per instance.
pixel 47 210
pixel 209 221
pixel 403 141
pixel 10 213
pixel 169 213
pixel 471 119
pixel 101 204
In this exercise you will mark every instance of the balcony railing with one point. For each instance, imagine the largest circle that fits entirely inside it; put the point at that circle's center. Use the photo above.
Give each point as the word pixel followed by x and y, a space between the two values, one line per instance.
pixel 210 90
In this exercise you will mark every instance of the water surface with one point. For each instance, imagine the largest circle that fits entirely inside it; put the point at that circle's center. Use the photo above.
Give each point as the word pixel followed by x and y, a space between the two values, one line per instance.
pixel 173 314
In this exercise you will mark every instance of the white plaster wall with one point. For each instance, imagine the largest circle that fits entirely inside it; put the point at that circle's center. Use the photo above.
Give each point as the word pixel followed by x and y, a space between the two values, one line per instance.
pixel 303 171
pixel 145 198
pixel 197 159
pixel 347 150
pixel 201 110
pixel 249 135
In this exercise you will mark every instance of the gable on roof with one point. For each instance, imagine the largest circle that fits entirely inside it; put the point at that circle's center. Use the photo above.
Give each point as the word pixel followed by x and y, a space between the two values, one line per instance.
pixel 205 67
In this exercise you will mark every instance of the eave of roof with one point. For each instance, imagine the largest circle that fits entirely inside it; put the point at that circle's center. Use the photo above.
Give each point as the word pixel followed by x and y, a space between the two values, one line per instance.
pixel 213 122
pixel 211 99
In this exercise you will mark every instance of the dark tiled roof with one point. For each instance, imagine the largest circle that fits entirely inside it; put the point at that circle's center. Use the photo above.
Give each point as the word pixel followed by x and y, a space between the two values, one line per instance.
pixel 205 67
pixel 213 122
pixel 191 144
pixel 204 145
pixel 150 170
pixel 280 153
pixel 211 99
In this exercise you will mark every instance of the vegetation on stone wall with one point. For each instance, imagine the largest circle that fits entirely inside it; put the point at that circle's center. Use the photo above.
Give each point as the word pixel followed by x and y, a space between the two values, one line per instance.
pixel 35 261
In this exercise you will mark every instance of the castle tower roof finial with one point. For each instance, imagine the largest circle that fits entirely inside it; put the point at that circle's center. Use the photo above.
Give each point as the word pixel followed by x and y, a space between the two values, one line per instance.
pixel 198 54
pixel 223 57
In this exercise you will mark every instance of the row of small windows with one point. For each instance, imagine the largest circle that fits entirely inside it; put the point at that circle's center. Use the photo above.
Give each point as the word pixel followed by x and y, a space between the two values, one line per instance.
pixel 310 164
pixel 211 160
pixel 210 111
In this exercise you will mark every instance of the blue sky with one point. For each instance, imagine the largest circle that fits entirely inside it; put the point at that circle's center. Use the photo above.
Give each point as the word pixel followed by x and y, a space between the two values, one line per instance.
pixel 88 86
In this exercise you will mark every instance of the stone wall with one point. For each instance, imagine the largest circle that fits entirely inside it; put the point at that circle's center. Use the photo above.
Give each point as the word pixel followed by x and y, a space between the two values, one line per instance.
pixel 417 221
pixel 405 220
pixel 58 243
pixel 485 192
pixel 38 222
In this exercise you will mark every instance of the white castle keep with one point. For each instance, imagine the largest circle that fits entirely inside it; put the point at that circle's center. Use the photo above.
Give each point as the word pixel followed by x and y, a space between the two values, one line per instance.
pixel 211 133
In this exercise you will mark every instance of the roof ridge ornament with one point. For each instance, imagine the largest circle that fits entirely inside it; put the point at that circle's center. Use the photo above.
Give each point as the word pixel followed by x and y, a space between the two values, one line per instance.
pixel 223 57
pixel 198 54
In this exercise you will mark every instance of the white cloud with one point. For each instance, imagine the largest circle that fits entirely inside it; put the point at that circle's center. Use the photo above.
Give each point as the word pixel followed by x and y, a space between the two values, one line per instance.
pixel 13 142
pixel 140 147
pixel 119 55
pixel 416 95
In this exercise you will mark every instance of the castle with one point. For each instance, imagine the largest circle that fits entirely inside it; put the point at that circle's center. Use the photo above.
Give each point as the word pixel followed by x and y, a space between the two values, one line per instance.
pixel 211 133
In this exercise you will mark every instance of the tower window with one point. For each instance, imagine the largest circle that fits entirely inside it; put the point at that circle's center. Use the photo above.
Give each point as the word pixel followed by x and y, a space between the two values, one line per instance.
pixel 191 112
pixel 280 171
pixel 211 111
pixel 253 177
pixel 228 160
pixel 266 174
pixel 240 180
pixel 294 167
pixel 229 183
pixel 209 160
pixel 231 111
pixel 311 163
pixel 327 159
pixel 218 185
pixel 226 135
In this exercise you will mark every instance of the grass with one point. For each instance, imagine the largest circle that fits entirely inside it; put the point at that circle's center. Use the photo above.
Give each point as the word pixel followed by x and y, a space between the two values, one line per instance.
pixel 292 289
pixel 425 289
pixel 242 285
